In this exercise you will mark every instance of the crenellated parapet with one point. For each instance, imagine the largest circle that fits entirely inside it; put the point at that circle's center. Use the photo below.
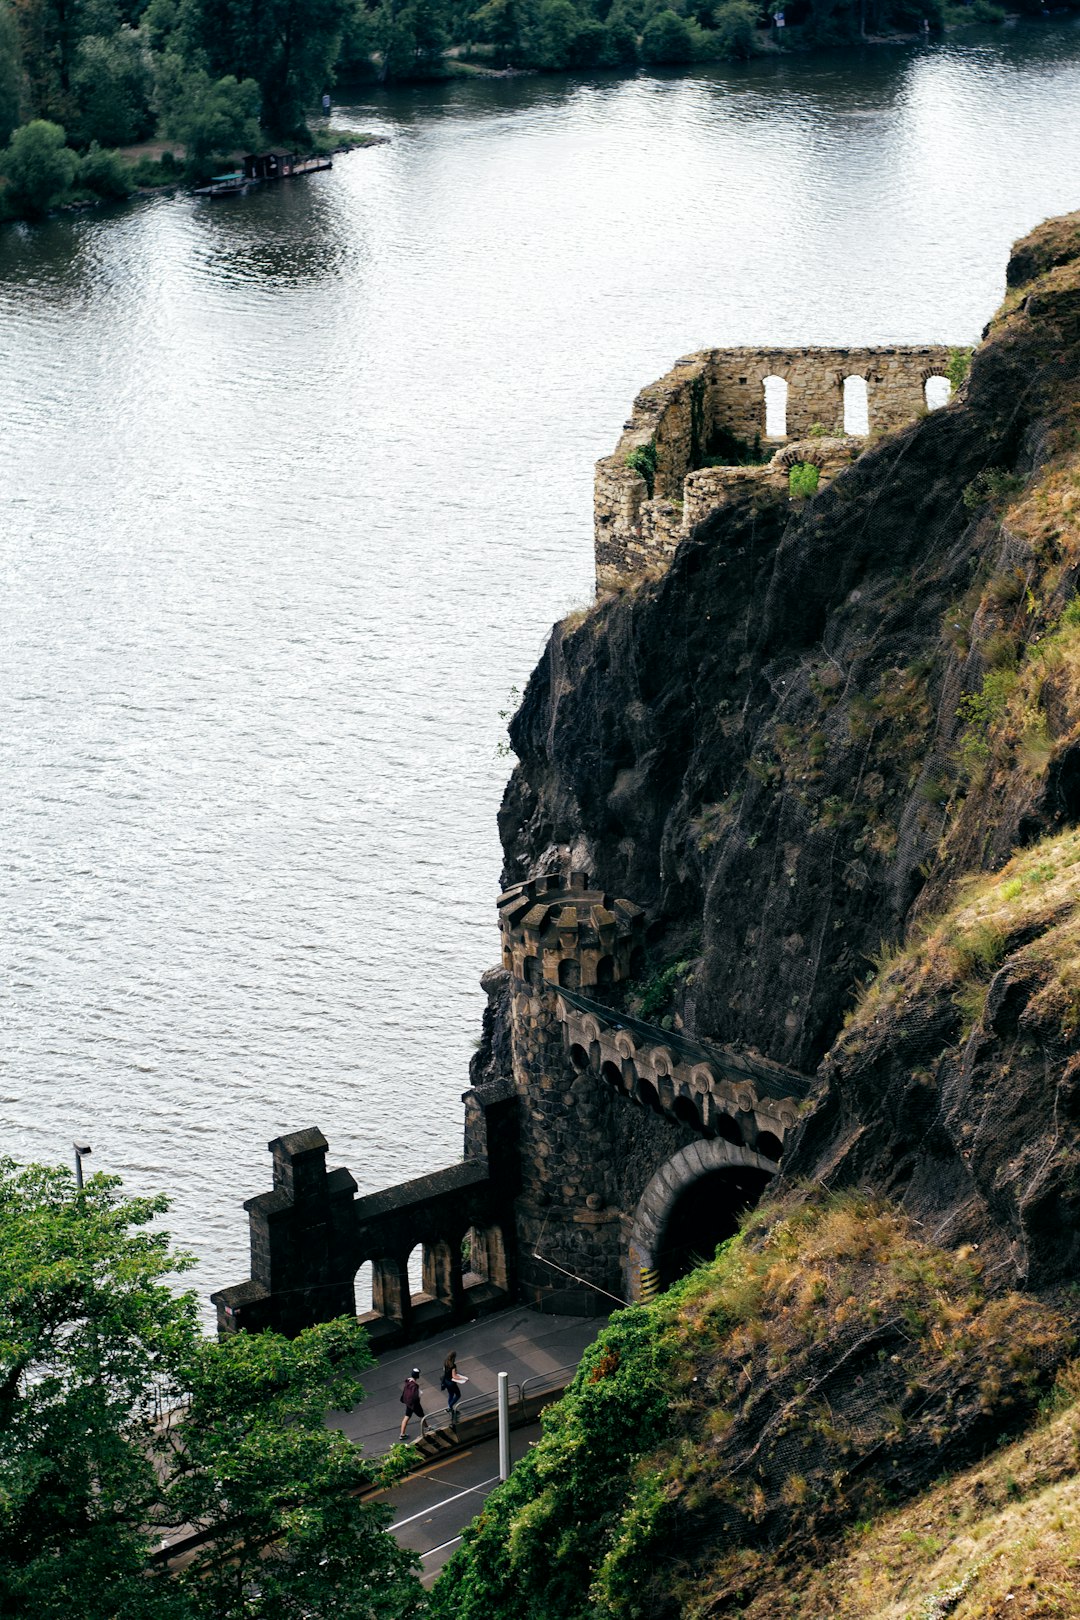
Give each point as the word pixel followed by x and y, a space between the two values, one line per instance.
pixel 563 931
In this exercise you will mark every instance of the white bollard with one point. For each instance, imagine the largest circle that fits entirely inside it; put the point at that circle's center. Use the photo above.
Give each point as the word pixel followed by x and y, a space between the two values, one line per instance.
pixel 504 1426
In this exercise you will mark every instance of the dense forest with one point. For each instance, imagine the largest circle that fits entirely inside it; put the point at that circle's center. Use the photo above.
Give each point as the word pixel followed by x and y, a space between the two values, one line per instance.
pixel 80 78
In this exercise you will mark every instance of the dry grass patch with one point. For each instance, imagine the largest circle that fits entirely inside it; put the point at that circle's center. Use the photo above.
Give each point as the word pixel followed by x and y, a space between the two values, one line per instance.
pixel 998 1540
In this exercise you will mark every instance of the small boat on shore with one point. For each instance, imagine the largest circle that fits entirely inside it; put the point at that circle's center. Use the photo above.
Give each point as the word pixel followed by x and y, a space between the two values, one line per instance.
pixel 223 185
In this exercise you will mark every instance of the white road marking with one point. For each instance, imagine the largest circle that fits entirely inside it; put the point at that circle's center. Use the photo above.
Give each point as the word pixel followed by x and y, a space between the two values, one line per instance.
pixel 428 1512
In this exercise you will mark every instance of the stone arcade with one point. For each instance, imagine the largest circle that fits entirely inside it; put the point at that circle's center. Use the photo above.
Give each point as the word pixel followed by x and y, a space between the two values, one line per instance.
pixel 611 1155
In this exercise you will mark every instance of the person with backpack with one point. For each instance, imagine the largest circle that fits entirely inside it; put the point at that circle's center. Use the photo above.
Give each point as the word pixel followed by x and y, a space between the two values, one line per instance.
pixel 410 1397
pixel 451 1381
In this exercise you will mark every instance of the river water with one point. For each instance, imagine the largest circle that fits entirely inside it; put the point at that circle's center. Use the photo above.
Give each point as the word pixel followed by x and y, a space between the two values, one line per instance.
pixel 291 489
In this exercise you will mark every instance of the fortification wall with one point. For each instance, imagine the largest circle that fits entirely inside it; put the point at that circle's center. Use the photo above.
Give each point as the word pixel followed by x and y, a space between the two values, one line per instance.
pixel 721 392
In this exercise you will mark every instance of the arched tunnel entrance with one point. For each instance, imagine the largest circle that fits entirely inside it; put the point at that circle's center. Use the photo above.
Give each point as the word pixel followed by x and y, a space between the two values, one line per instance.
pixel 703 1215
pixel 693 1203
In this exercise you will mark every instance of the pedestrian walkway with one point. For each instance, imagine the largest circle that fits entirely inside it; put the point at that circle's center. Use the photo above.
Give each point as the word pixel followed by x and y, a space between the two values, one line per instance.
pixel 432 1506
pixel 520 1342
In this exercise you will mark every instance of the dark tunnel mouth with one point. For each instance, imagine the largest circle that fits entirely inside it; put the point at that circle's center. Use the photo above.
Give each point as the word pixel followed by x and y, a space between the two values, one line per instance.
pixel 704 1214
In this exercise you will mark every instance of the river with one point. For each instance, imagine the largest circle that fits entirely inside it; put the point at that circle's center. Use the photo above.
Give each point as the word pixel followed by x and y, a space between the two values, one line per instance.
pixel 292 487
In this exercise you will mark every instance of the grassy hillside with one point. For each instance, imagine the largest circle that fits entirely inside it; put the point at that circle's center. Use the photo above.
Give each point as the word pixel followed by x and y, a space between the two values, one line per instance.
pixel 829 1361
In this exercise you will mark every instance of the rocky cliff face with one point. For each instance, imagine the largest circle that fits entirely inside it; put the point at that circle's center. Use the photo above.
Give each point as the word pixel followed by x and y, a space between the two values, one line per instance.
pixel 798 745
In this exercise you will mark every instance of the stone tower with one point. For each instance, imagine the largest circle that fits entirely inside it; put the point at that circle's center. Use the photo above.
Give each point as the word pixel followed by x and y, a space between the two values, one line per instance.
pixel 561 933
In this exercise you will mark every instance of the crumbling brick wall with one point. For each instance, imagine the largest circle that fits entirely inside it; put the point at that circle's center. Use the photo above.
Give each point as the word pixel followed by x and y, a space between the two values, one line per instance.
pixel 723 390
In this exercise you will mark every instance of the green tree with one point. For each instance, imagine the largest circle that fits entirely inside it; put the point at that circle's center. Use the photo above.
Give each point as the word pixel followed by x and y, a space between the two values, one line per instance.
pixel 734 31
pixel 504 24
pixel 11 74
pixel 112 81
pixel 620 44
pixel 120 1424
pixel 212 117
pixel 288 47
pixel 667 39
pixel 39 167
pixel 410 39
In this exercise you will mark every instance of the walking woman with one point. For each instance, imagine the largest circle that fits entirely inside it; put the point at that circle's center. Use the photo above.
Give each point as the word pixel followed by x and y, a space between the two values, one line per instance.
pixel 451 1381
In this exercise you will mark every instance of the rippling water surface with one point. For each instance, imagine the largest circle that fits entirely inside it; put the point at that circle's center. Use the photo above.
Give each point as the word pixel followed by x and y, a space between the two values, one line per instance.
pixel 291 489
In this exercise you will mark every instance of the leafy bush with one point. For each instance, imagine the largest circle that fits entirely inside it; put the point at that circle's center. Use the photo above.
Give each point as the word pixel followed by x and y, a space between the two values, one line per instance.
pixel 39 167
pixel 667 38
pixel 654 995
pixel 803 479
pixel 105 173
pixel 164 172
pixel 643 461
pixel 959 366
pixel 992 487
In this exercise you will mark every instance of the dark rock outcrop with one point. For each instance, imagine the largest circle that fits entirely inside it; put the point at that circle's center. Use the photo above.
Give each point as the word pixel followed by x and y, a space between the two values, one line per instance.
pixel 794 747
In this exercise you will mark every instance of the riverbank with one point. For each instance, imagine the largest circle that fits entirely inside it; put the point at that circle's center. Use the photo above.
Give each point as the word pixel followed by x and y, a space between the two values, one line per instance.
pixel 148 168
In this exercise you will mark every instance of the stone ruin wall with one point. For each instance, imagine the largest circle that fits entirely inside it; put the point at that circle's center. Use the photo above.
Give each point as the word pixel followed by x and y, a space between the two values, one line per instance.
pixel 724 389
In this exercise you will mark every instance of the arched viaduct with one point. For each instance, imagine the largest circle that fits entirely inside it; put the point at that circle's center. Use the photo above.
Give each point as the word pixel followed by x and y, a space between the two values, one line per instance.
pixel 608 1157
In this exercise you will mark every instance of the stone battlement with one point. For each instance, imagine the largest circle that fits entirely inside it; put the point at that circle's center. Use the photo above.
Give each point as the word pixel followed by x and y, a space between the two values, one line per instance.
pixel 712 405
pixel 564 932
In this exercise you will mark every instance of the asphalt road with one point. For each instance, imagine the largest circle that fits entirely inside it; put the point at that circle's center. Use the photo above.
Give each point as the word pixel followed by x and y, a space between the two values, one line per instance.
pixel 432 1508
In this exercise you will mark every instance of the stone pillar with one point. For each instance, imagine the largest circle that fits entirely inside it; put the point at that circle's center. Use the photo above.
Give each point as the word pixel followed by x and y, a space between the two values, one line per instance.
pixel 301 1244
pixel 562 932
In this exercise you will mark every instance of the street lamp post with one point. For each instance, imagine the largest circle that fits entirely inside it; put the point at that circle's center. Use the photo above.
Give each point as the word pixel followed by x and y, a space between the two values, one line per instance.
pixel 82 1151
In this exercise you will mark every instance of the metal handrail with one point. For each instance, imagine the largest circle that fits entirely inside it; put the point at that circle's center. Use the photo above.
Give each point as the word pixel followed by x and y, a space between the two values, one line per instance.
pixel 555 1377
pixel 442 1420
pixel 555 1374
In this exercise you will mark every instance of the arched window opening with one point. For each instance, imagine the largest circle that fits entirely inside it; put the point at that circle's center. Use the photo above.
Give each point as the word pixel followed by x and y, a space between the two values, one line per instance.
pixel 856 407
pixel 705 1214
pixel 726 1127
pixel 637 963
pixel 686 1113
pixel 605 970
pixel 414 1270
pixel 570 973
pixel 612 1073
pixel 768 1145
pixel 472 1256
pixel 365 1288
pixel 776 396
pixel 647 1094
pixel 579 1057
pixel 532 971
pixel 938 391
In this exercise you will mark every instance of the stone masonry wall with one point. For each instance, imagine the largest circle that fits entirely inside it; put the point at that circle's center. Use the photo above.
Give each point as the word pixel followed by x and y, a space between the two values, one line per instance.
pixel 724 390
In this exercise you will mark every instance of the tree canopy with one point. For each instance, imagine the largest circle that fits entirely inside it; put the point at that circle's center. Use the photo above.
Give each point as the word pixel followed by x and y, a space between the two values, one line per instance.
pixel 121 1425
